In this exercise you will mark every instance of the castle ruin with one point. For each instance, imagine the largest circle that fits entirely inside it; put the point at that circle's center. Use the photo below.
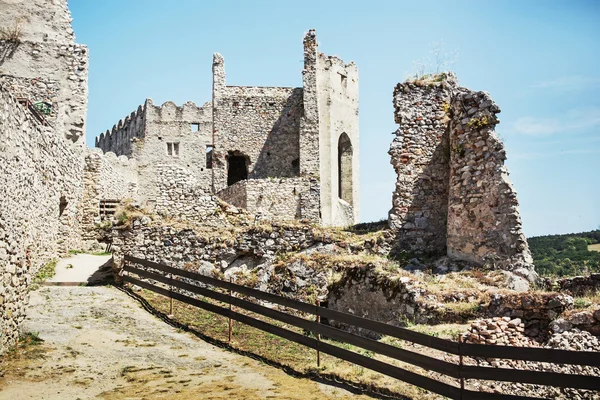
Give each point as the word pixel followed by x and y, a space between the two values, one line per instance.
pixel 285 153
pixel 288 153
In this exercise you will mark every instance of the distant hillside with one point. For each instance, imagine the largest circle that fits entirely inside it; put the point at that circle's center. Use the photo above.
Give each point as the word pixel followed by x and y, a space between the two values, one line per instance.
pixel 566 255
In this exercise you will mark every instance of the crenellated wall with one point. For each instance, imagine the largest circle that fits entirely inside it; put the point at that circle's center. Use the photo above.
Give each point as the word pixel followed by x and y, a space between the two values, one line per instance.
pixel 167 125
pixel 453 195
pixel 118 140
pixel 40 214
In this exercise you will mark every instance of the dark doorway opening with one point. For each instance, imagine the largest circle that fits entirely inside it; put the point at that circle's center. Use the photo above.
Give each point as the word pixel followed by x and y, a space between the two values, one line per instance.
pixel 237 168
pixel 62 205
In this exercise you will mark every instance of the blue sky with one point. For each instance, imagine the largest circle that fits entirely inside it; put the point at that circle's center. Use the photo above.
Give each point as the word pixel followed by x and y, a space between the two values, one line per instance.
pixel 538 59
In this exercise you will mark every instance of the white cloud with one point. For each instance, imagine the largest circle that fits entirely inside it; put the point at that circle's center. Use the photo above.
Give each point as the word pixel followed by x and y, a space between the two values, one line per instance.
pixel 573 121
pixel 570 83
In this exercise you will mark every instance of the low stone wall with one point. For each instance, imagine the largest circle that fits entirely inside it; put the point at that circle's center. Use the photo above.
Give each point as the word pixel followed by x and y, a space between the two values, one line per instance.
pixel 274 198
pixel 363 292
pixel 535 310
pixel 40 177
pixel 580 285
pixel 181 248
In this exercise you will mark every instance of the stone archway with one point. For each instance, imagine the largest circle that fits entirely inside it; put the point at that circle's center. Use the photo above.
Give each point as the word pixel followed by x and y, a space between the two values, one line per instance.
pixel 345 168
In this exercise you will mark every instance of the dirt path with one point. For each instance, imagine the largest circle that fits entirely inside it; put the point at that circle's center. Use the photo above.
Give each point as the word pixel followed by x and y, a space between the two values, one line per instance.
pixel 100 343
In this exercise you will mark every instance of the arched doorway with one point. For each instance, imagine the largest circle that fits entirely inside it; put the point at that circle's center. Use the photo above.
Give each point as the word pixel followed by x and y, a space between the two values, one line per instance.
pixel 345 168
pixel 237 167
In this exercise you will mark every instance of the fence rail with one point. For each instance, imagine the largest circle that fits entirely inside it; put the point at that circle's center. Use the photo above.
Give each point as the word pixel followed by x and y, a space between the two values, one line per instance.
pixel 457 371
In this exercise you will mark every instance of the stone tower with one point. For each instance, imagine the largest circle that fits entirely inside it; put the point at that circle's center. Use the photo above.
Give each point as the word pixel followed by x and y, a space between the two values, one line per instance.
pixel 329 132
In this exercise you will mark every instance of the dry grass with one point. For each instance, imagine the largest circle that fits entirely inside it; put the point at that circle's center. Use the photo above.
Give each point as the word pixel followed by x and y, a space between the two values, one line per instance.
pixel 594 247
pixel 280 351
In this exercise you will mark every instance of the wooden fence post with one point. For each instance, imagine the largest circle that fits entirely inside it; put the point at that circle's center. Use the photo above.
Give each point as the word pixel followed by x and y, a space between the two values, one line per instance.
pixel 318 334
pixel 460 365
pixel 171 297
pixel 230 321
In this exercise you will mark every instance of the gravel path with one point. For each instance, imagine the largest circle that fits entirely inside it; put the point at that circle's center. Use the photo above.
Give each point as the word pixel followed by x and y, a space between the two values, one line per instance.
pixel 102 344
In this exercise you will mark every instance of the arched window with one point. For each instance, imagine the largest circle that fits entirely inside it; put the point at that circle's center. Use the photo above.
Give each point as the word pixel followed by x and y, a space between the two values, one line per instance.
pixel 237 167
pixel 345 168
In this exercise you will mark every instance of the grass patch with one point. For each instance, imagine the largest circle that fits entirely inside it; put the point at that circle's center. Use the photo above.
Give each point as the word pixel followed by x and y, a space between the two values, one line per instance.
pixel 46 272
pixel 280 351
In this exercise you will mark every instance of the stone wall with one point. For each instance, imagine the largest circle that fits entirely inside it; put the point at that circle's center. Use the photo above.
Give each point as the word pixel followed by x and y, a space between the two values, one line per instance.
pixel 260 123
pixel 337 100
pixel 420 156
pixel 484 225
pixel 106 177
pixel 171 138
pixel 40 177
pixel 452 192
pixel 181 195
pixel 274 198
pixel 44 64
pixel 184 248
pixel 118 140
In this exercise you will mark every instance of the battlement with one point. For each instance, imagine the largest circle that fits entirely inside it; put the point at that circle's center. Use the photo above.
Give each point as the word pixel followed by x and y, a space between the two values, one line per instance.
pixel 118 139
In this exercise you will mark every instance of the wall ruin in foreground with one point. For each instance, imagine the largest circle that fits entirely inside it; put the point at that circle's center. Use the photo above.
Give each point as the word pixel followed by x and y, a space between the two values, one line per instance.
pixel 41 189
pixel 453 195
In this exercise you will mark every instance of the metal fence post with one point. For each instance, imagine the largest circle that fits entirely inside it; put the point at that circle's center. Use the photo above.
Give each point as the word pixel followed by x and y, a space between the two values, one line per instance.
pixel 230 322
pixel 318 334
pixel 171 297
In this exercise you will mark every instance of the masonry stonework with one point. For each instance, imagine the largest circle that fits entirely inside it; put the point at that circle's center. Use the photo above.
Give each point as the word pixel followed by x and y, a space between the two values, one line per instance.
pixel 40 177
pixel 44 64
pixel 256 133
pixel 452 193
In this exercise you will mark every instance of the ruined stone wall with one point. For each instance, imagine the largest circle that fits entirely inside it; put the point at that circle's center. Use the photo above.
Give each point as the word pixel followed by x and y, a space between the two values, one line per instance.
pixel 330 118
pixel 420 156
pixel 337 92
pixel 106 177
pixel 452 192
pixel 118 140
pixel 179 247
pixel 41 190
pixel 170 139
pixel 273 198
pixel 261 123
pixel 182 195
pixel 484 225
pixel 44 64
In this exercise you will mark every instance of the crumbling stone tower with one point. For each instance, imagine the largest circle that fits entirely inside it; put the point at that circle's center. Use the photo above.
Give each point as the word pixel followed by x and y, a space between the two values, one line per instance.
pixel 453 195
pixel 329 132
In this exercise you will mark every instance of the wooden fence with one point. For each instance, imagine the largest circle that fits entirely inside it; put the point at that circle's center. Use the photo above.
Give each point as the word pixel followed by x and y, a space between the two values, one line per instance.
pixel 171 278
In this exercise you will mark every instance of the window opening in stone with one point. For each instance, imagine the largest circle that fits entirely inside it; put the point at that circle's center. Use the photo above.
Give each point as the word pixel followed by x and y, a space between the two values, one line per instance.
pixel 296 166
pixel 344 80
pixel 237 168
pixel 173 149
pixel 62 205
pixel 195 127
pixel 209 156
pixel 345 168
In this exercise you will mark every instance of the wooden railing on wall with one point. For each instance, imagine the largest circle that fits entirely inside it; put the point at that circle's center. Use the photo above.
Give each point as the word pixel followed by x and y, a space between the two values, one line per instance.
pixel 171 278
